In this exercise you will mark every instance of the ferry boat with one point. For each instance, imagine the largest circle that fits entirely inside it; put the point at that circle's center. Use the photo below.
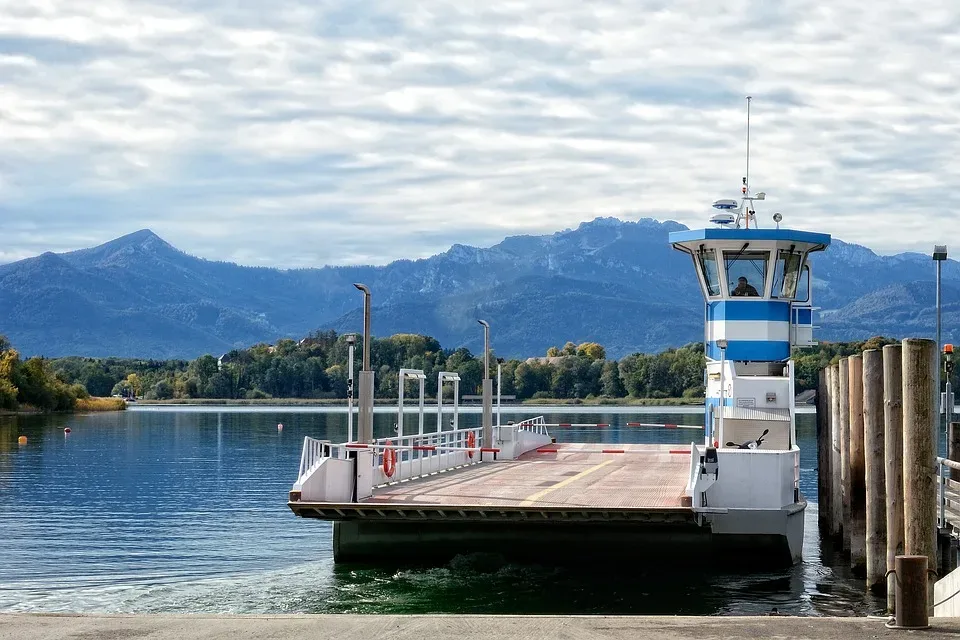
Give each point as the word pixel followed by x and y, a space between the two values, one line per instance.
pixel 734 495
pixel 758 292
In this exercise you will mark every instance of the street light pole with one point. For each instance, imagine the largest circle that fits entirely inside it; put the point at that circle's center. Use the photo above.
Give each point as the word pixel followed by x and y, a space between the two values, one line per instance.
pixel 487 436
pixel 365 417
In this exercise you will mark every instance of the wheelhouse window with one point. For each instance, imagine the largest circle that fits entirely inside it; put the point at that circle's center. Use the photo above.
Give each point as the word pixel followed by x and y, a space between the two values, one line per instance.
pixel 707 259
pixel 787 275
pixel 804 285
pixel 746 272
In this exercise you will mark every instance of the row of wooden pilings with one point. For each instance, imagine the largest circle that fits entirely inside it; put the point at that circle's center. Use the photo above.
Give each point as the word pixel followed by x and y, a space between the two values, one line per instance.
pixel 877 438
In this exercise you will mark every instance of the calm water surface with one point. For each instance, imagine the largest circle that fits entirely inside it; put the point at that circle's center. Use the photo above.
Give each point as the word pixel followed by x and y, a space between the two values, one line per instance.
pixel 184 510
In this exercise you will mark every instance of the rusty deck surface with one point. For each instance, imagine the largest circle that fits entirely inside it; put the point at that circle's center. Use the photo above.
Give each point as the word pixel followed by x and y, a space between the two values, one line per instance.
pixel 564 476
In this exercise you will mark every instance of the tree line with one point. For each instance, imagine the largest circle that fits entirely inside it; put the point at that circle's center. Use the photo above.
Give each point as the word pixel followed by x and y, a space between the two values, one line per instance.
pixel 316 367
pixel 35 383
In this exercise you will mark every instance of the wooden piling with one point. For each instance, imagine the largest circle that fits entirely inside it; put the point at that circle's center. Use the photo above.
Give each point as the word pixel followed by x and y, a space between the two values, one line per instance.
pixel 823 454
pixel 919 452
pixel 953 449
pixel 893 459
pixel 874 472
pixel 858 491
pixel 836 499
pixel 844 371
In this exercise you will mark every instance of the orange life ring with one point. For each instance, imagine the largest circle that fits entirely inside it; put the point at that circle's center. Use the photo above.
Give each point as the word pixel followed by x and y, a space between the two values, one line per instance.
pixel 389 460
pixel 471 442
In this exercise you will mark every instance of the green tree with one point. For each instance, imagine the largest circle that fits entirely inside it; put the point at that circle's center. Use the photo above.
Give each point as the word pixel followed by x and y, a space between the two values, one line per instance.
pixel 163 390
pixel 531 378
pixel 611 384
pixel 136 386
pixel 9 359
pixel 122 388
pixel 592 350
pixel 98 382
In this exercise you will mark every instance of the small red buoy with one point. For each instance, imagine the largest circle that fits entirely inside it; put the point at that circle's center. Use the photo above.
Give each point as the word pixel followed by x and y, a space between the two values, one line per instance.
pixel 67 430
pixel 280 427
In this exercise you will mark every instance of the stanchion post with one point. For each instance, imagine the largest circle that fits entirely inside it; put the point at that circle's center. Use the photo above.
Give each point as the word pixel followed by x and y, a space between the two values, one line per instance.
pixel 913 599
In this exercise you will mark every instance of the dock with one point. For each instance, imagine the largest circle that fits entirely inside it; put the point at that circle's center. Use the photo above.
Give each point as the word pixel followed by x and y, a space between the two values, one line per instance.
pixel 447 627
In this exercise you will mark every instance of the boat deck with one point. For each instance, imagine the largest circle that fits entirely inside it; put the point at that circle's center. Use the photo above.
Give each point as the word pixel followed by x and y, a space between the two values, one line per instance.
pixel 566 481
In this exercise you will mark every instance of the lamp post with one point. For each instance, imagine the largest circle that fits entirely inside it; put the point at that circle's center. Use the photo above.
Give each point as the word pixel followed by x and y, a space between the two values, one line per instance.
pixel 365 417
pixel 487 436
pixel 939 255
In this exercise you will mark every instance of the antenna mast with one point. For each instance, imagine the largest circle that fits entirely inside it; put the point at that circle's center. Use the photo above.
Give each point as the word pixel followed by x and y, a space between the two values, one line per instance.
pixel 746 178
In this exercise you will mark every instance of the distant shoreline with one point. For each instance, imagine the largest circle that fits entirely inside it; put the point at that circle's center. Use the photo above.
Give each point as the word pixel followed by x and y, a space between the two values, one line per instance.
pixel 83 405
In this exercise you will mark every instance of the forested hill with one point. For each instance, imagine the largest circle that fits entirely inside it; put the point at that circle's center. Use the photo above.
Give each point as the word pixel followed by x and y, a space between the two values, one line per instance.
pixel 609 281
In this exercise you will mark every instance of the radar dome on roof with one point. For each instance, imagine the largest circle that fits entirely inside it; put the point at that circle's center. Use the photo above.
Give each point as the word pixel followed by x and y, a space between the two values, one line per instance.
pixel 723 219
pixel 726 203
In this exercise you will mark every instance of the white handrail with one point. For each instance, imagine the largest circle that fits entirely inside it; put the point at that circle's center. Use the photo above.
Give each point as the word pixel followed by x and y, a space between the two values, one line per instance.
pixel 534 425
pixel 312 454
pixel 419 455
pixel 415 455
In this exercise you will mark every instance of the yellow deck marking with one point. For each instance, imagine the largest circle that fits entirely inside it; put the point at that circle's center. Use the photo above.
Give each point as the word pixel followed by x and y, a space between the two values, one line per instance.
pixel 532 499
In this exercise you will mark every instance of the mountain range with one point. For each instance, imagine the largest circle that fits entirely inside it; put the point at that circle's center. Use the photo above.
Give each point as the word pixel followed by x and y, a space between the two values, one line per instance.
pixel 610 281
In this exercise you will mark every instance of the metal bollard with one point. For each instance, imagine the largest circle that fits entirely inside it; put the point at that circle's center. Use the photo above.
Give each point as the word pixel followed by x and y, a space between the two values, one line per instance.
pixel 911 601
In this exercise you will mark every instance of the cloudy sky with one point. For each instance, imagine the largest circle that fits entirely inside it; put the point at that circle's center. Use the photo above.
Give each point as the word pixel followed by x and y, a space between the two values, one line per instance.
pixel 308 132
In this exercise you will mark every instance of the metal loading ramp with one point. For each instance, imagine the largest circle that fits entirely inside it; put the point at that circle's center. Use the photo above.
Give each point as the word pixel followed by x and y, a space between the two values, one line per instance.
pixel 572 482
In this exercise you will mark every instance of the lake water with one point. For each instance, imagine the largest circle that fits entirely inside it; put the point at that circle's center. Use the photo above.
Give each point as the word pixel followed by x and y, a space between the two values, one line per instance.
pixel 184 510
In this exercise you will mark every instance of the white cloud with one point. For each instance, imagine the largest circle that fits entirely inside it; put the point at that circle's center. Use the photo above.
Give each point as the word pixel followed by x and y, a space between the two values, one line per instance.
pixel 303 133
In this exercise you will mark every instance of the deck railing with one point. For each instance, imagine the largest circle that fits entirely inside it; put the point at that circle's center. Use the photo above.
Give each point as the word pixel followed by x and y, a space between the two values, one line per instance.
pixel 313 452
pixel 948 495
pixel 395 459
pixel 418 455
pixel 534 425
